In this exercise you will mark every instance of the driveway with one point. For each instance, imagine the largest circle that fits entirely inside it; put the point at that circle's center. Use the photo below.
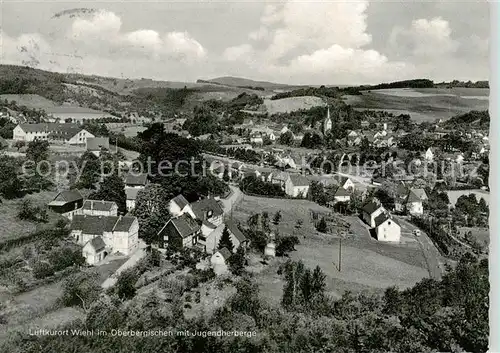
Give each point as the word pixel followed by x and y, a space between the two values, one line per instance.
pixel 233 198
pixel 139 254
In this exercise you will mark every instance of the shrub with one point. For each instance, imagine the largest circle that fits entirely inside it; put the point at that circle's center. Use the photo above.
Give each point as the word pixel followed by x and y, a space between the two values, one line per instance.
pixel 42 270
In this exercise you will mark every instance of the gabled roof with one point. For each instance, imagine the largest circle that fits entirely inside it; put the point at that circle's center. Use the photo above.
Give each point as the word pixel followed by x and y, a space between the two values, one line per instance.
pixel 299 180
pixel 65 197
pixel 412 197
pixel 184 225
pixel 132 193
pixel 98 244
pixel 49 127
pixel 209 225
pixel 99 205
pixel 180 201
pixel 226 254
pixel 370 207
pixel 65 132
pixel 201 207
pixel 341 192
pixel 97 225
pixel 421 194
pixel 136 179
pixel 96 143
pixel 233 228
pixel 380 219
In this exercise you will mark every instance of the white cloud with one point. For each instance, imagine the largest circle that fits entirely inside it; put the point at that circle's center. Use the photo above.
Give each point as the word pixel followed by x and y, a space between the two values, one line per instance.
pixel 240 52
pixel 425 38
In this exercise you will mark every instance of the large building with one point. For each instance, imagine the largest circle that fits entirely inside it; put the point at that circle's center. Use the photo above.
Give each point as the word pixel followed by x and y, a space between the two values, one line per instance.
pixel 71 134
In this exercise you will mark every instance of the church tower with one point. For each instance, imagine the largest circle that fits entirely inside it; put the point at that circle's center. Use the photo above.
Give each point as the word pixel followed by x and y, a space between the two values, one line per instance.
pixel 327 124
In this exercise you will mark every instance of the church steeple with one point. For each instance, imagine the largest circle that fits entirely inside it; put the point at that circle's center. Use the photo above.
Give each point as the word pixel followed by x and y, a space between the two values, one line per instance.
pixel 327 124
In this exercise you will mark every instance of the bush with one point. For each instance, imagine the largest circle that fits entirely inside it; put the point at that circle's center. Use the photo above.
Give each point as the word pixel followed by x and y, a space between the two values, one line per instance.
pixel 29 212
pixel 42 270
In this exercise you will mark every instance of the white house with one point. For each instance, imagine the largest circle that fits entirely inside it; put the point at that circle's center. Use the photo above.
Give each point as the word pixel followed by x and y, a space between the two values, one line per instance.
pixel 414 205
pixel 429 155
pixel 94 251
pixel 387 228
pixel 179 205
pixel 370 211
pixel 71 134
pixel 341 195
pixel 131 197
pixel 219 261
pixel 211 237
pixel 120 234
pixel 296 185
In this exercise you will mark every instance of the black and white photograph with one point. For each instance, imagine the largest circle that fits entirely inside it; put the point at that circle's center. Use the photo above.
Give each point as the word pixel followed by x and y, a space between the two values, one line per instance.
pixel 251 176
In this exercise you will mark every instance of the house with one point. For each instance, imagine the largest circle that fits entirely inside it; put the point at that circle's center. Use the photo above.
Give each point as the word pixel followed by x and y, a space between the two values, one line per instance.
pixel 210 240
pixel 387 228
pixel 180 232
pixel 414 204
pixel 341 195
pixel 421 193
pixel 286 163
pixel 266 177
pixel 131 197
pixel 218 171
pixel 296 185
pixel 345 183
pixel 208 209
pixel 219 261
pixel 179 206
pixel 429 154
pixel 248 172
pixel 119 233
pixel 94 251
pixel 67 203
pixel 256 139
pixel 96 144
pixel 370 211
pixel 136 180
pixel 71 134
pixel 99 208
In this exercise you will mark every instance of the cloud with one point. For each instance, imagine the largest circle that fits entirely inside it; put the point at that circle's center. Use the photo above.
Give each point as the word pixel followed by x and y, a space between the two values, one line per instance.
pixel 425 38
pixel 104 29
pixel 322 40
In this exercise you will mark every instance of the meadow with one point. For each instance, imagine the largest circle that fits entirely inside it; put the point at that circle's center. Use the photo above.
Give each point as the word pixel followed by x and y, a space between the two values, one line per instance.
pixel 426 104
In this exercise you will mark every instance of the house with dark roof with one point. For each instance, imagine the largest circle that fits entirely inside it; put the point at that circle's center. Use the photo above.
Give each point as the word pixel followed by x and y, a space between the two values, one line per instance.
pixel 414 205
pixel 210 242
pixel 297 185
pixel 370 211
pixel 387 228
pixel 97 144
pixel 67 203
pixel 208 209
pixel 99 208
pixel 136 180
pixel 180 232
pixel 119 233
pixel 94 251
pixel 341 195
pixel 131 195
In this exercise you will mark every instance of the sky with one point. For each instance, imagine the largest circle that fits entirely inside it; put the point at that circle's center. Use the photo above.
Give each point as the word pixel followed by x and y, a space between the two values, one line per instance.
pixel 316 42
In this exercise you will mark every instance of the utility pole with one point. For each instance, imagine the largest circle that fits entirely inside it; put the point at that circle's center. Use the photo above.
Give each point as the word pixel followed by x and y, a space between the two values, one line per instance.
pixel 340 254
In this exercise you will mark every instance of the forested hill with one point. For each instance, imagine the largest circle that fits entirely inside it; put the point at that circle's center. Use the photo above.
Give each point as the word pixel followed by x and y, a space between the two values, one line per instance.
pixel 477 119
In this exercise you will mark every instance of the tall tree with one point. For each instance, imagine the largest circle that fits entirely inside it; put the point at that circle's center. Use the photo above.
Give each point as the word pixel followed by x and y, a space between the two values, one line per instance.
pixel 112 188
pixel 225 240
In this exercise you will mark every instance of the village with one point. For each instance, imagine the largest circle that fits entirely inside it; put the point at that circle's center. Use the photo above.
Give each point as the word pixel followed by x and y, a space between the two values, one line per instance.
pixel 369 198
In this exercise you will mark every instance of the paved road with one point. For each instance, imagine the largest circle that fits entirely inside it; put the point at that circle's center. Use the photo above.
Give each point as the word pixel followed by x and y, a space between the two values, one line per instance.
pixel 432 256
pixel 132 261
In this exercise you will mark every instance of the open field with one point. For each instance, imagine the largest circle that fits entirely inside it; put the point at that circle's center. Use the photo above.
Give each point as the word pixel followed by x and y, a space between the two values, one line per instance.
pixel 292 104
pixel 129 131
pixel 426 104
pixel 366 263
pixel 11 227
pixel 33 101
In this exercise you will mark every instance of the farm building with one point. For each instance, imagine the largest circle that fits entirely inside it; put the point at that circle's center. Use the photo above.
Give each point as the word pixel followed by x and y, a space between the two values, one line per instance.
pixel 99 208
pixel 94 251
pixel 67 203
pixel 414 205
pixel 97 144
